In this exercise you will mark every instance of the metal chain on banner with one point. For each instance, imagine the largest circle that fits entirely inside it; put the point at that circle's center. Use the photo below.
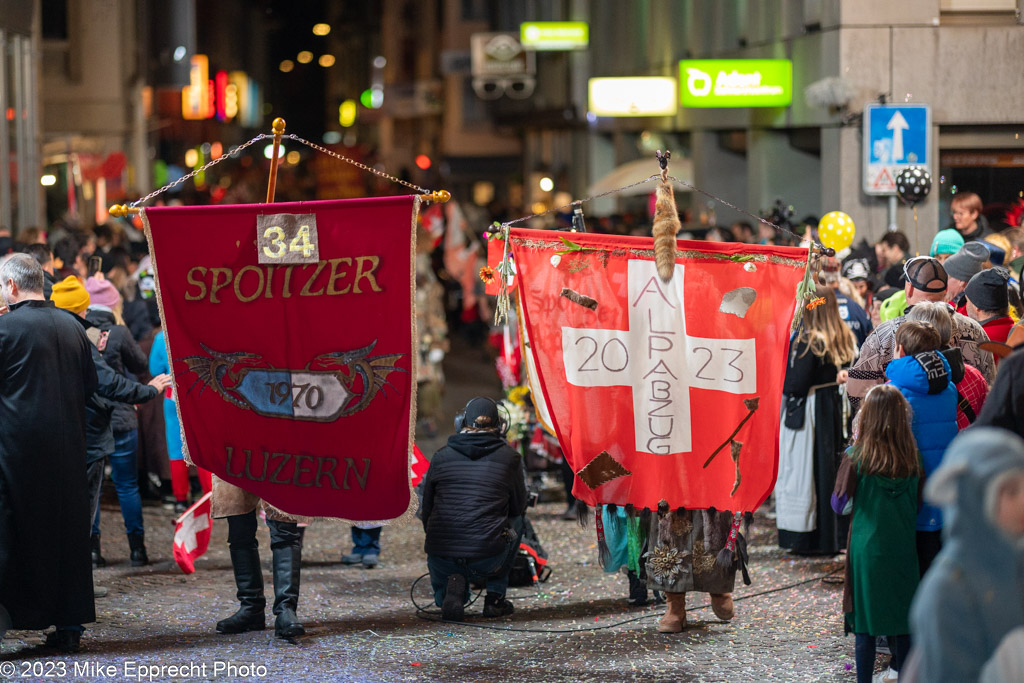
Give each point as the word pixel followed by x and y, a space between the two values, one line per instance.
pixel 357 164
pixel 657 176
pixel 815 251
pixel 440 196
pixel 581 201
pixel 182 179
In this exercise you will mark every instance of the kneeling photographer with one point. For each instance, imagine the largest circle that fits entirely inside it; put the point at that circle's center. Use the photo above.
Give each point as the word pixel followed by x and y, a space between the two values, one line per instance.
pixel 474 496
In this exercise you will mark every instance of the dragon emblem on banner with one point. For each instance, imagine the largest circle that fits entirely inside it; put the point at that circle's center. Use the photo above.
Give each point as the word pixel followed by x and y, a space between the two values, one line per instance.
pixel 331 386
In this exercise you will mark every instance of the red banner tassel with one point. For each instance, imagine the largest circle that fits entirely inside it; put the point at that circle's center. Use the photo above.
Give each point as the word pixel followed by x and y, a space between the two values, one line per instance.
pixel 727 555
pixel 603 552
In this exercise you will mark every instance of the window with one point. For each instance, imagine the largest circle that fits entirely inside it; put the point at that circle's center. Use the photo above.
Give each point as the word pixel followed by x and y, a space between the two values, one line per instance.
pixel 55 19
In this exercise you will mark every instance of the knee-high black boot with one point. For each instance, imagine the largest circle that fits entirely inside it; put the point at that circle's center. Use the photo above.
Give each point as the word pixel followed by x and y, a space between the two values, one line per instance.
pixel 286 544
pixel 245 561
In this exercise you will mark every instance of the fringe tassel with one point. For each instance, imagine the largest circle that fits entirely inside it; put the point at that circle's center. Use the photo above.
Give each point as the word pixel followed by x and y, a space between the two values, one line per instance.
pixel 727 555
pixel 604 554
pixel 741 553
pixel 582 513
pixel 634 542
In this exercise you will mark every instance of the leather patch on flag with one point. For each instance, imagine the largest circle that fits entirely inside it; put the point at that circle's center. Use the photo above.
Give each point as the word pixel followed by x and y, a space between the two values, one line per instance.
pixel 601 470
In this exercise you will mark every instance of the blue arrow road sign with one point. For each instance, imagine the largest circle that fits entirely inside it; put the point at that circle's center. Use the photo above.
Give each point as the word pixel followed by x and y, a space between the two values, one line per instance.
pixel 895 136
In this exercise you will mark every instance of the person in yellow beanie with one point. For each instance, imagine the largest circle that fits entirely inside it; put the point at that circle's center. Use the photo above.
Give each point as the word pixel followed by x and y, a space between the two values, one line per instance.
pixel 71 295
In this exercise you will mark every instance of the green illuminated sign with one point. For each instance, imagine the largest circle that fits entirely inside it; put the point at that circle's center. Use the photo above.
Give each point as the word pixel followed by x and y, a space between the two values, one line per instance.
pixel 555 35
pixel 735 82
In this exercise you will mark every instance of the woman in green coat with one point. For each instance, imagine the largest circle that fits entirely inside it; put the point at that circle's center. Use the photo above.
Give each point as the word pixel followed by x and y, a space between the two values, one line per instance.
pixel 879 477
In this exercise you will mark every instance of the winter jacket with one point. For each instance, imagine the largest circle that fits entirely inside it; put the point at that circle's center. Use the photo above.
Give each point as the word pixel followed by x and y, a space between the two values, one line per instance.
pixel 99 408
pixel 474 485
pixel 880 347
pixel 971 598
pixel 48 282
pixel 981 230
pixel 123 355
pixel 926 382
pixel 1004 406
pixel 998 329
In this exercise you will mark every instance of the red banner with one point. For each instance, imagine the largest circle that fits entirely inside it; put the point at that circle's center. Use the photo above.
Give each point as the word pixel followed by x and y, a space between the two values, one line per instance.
pixel 290 333
pixel 661 391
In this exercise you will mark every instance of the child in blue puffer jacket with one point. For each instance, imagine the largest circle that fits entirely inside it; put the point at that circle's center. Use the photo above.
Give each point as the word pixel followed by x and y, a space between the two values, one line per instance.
pixel 923 376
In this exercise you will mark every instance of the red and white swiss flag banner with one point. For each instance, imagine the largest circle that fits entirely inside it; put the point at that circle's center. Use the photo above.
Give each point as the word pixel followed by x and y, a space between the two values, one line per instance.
pixel 192 534
pixel 290 336
pixel 661 391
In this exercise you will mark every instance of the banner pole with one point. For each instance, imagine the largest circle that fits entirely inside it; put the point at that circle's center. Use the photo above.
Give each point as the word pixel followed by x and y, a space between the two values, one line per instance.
pixel 277 127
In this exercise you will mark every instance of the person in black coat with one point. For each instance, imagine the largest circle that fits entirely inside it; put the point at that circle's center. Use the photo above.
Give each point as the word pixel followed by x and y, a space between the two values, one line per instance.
pixel 119 349
pixel 474 496
pixel 46 376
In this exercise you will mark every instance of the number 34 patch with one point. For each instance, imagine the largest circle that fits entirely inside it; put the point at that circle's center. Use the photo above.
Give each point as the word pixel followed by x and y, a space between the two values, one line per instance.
pixel 287 238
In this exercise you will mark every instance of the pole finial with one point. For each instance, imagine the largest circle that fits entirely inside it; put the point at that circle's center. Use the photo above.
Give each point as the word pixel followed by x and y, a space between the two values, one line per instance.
pixel 438 197
pixel 122 210
pixel 277 127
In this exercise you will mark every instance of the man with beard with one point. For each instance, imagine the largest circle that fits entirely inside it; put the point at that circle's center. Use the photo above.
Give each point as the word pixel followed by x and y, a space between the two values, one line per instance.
pixel 46 375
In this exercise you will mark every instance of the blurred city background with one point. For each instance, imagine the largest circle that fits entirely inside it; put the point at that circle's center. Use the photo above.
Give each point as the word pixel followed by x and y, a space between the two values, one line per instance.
pixel 504 104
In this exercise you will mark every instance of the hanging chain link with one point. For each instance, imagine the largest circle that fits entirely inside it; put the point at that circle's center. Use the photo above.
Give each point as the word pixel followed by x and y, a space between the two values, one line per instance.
pixel 369 169
pixel 658 176
pixel 179 181
pixel 581 201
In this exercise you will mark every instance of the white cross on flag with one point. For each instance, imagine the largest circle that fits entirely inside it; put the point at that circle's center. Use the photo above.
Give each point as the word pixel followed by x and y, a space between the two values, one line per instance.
pixel 660 390
pixel 192 534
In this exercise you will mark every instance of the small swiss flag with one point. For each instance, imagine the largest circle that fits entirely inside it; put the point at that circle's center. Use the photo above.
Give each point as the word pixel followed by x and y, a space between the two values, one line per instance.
pixel 418 465
pixel 192 534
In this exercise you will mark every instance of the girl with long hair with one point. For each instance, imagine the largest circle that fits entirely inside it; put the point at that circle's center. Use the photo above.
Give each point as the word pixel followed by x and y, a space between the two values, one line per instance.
pixel 811 434
pixel 879 480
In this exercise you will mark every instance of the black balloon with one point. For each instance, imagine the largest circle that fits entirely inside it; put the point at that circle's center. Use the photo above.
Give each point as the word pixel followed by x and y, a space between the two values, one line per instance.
pixel 913 184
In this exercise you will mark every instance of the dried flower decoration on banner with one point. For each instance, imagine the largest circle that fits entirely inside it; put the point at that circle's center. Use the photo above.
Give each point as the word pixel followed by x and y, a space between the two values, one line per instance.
pixel 814 303
pixel 487 275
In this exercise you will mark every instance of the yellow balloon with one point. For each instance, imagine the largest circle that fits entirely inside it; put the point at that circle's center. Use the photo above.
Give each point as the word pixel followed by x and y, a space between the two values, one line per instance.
pixel 836 230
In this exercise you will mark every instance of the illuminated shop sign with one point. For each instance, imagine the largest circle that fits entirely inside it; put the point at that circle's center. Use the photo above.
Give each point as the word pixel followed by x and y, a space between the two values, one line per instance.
pixel 653 96
pixel 736 82
pixel 197 96
pixel 555 35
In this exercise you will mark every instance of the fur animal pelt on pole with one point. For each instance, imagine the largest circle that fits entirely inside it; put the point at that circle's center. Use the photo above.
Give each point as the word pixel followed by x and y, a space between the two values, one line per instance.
pixel 666 225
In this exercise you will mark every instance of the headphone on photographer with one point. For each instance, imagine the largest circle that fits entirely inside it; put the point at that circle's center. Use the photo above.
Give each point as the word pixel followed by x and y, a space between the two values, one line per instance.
pixel 503 416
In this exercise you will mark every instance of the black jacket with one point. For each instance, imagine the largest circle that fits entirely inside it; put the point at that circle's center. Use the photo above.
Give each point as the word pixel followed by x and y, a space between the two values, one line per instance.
pixel 48 282
pixel 123 355
pixel 474 485
pixel 99 437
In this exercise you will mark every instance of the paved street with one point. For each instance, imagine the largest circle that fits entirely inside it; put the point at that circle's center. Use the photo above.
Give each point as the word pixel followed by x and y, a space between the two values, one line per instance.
pixel 362 625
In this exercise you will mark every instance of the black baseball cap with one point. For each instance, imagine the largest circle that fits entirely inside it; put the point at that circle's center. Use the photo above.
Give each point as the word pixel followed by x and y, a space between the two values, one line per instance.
pixel 924 273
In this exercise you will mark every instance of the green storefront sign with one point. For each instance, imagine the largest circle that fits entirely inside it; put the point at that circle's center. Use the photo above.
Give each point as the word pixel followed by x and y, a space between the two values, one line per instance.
pixel 735 82
pixel 555 35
